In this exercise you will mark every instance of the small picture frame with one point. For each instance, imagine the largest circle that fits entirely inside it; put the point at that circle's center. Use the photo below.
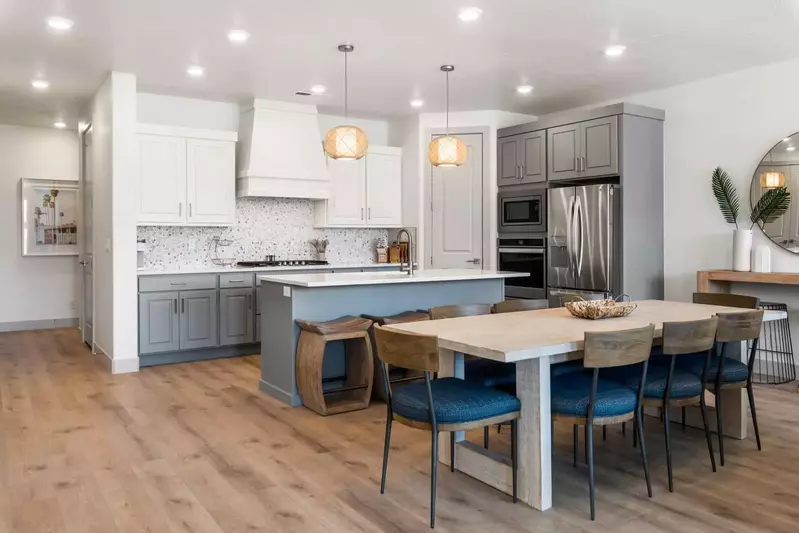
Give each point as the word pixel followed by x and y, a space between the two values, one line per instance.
pixel 49 212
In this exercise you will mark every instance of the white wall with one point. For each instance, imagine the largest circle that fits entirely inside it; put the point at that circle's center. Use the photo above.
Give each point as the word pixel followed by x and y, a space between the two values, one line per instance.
pixel 35 288
pixel 730 121
pixel 114 165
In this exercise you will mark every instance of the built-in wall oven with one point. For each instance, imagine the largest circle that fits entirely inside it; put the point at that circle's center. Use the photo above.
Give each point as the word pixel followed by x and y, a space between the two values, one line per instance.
pixel 522 209
pixel 524 253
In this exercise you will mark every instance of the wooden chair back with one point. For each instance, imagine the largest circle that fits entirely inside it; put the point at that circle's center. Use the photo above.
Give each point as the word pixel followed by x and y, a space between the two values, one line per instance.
pixel 512 306
pixel 737 327
pixel 727 300
pixel 689 337
pixel 605 349
pixel 407 350
pixel 457 311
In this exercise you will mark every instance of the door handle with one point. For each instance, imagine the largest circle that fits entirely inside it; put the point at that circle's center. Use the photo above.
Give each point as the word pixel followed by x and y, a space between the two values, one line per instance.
pixel 475 261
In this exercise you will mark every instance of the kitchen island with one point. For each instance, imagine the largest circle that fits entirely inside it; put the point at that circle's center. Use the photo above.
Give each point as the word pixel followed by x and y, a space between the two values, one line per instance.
pixel 321 297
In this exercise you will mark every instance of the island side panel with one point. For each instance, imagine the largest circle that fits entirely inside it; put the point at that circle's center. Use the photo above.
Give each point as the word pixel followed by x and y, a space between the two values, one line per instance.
pixel 279 332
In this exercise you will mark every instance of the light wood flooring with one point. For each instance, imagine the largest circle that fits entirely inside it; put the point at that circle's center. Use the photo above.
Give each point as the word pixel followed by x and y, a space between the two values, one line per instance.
pixel 196 448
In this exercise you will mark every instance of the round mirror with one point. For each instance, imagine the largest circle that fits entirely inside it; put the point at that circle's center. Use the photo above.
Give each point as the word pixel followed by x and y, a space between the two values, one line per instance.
pixel 775 181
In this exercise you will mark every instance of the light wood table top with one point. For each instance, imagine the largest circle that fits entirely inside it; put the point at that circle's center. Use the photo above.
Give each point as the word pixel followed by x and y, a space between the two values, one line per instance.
pixel 511 337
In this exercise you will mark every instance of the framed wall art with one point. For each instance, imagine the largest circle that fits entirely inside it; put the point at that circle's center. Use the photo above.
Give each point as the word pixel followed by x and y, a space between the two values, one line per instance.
pixel 49 211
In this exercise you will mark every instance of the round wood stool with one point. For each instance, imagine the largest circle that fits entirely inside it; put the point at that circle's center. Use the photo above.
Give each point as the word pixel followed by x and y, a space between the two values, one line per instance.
pixel 398 376
pixel 357 389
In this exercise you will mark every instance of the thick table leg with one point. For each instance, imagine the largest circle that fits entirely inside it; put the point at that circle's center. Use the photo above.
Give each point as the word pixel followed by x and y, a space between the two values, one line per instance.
pixel 535 433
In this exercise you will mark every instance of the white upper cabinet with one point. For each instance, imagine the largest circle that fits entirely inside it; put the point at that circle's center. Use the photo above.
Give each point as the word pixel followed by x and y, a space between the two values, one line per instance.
pixel 346 206
pixel 384 188
pixel 186 177
pixel 364 193
pixel 210 189
pixel 162 179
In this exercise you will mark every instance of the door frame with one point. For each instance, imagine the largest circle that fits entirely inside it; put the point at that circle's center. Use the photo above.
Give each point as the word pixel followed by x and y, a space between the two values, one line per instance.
pixel 83 164
pixel 427 191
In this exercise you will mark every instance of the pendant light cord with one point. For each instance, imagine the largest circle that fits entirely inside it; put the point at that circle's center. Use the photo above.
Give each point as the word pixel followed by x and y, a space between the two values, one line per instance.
pixel 346 87
pixel 447 127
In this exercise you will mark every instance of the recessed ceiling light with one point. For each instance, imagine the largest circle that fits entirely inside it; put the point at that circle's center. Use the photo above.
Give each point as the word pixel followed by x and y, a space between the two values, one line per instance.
pixel 195 71
pixel 615 50
pixel 40 84
pixel 786 140
pixel 791 148
pixel 524 89
pixel 417 102
pixel 238 36
pixel 470 14
pixel 60 124
pixel 318 89
pixel 60 23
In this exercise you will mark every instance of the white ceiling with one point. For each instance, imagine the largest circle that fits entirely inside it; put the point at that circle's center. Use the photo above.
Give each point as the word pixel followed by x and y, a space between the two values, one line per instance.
pixel 555 45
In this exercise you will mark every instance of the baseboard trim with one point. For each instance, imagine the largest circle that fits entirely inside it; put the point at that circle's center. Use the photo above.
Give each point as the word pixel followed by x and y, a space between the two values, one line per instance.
pixel 116 366
pixel 28 325
pixel 280 394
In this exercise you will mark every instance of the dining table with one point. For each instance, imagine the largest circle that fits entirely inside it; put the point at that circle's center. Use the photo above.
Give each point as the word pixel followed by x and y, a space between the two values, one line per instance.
pixel 534 340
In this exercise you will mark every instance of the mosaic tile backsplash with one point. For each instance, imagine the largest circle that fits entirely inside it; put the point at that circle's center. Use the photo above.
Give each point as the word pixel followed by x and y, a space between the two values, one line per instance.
pixel 264 226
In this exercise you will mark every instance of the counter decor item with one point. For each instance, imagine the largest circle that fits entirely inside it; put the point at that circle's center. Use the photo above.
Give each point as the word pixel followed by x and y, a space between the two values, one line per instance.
pixel 382 250
pixel 320 246
pixel 761 259
pixel 394 253
pixel 213 252
pixel 598 309
pixel 773 203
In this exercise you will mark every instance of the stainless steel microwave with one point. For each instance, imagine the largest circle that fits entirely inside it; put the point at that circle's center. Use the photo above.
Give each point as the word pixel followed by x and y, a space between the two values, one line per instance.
pixel 522 210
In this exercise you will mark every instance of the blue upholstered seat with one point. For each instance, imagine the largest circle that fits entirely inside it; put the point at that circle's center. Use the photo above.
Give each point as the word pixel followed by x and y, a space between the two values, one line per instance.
pixel 734 370
pixel 683 383
pixel 454 401
pixel 571 392
pixel 561 369
pixel 489 373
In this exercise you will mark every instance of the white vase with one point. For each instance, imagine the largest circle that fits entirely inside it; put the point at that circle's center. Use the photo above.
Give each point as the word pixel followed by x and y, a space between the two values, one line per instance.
pixel 761 259
pixel 742 250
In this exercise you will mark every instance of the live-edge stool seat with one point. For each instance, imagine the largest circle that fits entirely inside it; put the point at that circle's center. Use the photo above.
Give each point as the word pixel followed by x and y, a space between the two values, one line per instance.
pixel 354 395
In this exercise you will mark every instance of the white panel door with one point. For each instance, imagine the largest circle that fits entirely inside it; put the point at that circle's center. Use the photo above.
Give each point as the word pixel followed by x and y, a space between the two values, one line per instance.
pixel 457 210
pixel 162 179
pixel 86 236
pixel 211 181
pixel 347 203
pixel 383 189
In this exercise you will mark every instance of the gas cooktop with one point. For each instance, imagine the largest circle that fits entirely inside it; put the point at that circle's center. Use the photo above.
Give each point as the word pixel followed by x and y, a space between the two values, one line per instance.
pixel 281 262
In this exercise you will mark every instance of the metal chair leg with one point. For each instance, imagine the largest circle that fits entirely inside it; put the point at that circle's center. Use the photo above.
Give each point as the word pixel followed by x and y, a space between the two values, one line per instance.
pixel 514 457
pixel 624 429
pixel 640 428
pixel 683 412
pixel 485 437
pixel 751 394
pixel 385 455
pixel 576 444
pixel 585 448
pixel 589 447
pixel 720 426
pixel 703 407
pixel 666 424
pixel 604 433
pixel 433 471
pixel 452 451
pixel 635 434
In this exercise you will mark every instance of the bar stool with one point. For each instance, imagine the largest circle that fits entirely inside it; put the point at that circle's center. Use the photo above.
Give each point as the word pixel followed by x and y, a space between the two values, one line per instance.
pixel 445 404
pixel 357 389
pixel 584 399
pixel 396 376
pixel 776 364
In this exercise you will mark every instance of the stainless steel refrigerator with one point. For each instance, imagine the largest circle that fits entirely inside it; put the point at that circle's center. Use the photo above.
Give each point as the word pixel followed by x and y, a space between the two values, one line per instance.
pixel 584 252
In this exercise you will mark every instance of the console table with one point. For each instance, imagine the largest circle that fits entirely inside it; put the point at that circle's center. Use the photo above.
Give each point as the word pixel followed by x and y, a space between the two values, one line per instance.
pixel 719 280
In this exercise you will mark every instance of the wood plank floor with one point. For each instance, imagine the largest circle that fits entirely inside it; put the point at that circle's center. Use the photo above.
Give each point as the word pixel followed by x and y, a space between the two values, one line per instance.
pixel 196 448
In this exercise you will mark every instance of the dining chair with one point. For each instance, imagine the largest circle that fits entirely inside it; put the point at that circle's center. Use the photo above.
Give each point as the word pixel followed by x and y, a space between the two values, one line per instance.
pixel 476 369
pixel 444 404
pixel 667 385
pixel 585 399
pixel 513 306
pixel 727 300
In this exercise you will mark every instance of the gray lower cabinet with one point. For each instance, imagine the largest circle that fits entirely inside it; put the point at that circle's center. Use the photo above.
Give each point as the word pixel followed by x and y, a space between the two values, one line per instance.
pixel 236 316
pixel 159 318
pixel 198 319
pixel 522 159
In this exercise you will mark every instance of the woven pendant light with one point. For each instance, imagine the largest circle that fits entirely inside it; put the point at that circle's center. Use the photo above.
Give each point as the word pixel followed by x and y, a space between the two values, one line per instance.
pixel 346 142
pixel 447 151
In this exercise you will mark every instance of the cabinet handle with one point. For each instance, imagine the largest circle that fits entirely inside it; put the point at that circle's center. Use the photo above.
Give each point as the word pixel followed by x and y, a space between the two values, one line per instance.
pixel 521 172
pixel 189 209
pixel 369 213
pixel 177 284
pixel 577 164
pixel 235 281
pixel 249 302
pixel 362 213
pixel 182 305
pixel 176 306
pixel 180 209
pixel 582 164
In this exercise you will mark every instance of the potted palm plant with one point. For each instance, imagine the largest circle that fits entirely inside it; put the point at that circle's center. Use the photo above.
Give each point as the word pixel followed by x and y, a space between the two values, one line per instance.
pixel 773 203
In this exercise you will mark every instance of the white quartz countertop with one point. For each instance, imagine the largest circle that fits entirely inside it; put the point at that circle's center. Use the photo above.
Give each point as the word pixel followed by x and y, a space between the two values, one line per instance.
pixel 224 270
pixel 384 278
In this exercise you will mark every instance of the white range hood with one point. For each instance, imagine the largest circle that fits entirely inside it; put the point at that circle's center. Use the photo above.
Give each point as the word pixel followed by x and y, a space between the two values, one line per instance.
pixel 280 152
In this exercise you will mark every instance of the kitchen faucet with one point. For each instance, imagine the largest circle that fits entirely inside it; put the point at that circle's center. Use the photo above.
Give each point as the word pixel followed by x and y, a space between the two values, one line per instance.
pixel 410 251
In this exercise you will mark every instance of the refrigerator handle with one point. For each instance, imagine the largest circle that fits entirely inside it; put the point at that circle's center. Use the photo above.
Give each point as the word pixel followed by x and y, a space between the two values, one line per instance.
pixel 579 252
pixel 610 243
pixel 570 235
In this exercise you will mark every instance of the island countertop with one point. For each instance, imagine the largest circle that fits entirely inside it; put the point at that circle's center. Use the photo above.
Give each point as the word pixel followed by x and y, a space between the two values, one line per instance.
pixel 384 278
